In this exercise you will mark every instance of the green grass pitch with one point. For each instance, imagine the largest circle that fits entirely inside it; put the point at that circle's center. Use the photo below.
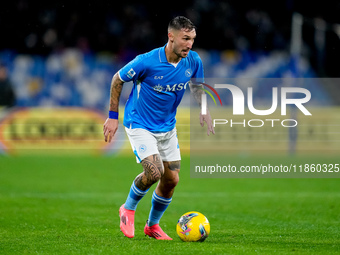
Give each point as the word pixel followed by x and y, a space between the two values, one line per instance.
pixel 69 205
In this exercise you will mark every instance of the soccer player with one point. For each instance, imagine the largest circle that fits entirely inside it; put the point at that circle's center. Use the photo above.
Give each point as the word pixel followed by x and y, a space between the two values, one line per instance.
pixel 160 78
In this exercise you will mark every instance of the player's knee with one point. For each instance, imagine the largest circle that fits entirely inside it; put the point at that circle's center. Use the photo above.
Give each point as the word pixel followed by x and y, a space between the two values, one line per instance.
pixel 153 170
pixel 175 181
pixel 172 182
pixel 155 175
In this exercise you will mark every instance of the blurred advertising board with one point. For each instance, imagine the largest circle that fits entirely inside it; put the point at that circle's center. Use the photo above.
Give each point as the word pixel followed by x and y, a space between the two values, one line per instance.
pixel 54 130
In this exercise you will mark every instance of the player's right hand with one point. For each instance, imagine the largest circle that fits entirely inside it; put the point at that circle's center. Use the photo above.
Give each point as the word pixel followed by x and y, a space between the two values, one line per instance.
pixel 110 128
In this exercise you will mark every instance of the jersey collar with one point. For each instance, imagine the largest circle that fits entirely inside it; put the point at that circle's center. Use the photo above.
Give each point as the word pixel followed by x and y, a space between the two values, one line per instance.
pixel 162 56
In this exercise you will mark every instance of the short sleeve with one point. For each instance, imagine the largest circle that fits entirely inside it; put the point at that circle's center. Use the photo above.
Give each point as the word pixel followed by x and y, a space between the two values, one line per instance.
pixel 198 74
pixel 132 70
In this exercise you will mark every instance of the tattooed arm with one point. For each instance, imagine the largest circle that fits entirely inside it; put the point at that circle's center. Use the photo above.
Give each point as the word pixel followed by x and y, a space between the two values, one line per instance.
pixel 196 90
pixel 111 125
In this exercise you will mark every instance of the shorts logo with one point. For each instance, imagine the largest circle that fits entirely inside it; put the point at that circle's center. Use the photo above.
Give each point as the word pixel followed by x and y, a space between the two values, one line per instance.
pixel 142 148
pixel 188 72
pixel 131 73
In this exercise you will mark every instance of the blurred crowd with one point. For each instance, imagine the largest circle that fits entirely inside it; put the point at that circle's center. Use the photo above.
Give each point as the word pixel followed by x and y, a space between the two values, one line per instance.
pixel 127 28
pixel 7 94
pixel 35 27
pixel 65 52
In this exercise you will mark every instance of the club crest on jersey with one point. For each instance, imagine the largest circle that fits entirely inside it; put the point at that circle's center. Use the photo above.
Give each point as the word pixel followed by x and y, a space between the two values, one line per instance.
pixel 188 72
pixel 131 73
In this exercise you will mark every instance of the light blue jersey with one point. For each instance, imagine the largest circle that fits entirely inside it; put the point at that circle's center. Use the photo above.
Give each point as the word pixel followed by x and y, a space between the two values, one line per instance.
pixel 158 88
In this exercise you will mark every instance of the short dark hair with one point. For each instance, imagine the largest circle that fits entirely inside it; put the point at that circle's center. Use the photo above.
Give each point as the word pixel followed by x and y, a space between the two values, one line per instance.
pixel 181 22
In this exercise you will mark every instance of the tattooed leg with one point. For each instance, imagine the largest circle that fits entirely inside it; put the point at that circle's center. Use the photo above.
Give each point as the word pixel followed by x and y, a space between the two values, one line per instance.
pixel 153 170
pixel 169 180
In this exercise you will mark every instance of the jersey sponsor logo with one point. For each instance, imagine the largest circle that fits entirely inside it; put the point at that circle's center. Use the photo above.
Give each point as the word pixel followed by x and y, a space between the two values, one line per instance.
pixel 131 73
pixel 188 72
pixel 158 77
pixel 176 87
pixel 170 88
pixel 158 88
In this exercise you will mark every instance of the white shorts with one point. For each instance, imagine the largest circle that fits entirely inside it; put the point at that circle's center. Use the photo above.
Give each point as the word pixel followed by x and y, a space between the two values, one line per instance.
pixel 145 143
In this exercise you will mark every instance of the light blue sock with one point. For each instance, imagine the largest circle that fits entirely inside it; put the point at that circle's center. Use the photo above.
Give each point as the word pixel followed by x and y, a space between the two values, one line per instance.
pixel 159 205
pixel 134 197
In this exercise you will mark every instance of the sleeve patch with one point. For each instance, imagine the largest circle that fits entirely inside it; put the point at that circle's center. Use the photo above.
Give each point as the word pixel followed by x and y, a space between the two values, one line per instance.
pixel 131 73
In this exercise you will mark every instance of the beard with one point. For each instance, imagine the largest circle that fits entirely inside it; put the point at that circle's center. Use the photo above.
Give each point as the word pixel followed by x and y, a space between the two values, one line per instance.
pixel 181 53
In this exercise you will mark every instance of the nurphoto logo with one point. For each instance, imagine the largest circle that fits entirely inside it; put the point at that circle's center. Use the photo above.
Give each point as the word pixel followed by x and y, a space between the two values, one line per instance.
pixel 239 104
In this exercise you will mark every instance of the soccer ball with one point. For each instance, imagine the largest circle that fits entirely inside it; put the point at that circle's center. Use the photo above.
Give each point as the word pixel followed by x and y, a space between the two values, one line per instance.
pixel 193 227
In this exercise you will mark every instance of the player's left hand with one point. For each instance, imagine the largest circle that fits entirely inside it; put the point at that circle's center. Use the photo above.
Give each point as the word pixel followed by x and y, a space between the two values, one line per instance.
pixel 207 118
